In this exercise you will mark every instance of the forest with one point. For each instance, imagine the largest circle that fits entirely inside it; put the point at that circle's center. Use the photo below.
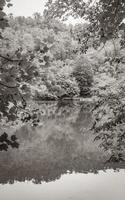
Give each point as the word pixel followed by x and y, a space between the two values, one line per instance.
pixel 44 59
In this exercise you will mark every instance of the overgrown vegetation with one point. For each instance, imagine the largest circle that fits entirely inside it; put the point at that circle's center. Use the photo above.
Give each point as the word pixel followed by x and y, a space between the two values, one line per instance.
pixel 41 58
pixel 105 33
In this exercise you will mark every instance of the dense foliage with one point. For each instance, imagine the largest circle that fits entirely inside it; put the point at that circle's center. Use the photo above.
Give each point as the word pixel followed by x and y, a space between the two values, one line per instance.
pixel 105 25
pixel 41 58
pixel 105 17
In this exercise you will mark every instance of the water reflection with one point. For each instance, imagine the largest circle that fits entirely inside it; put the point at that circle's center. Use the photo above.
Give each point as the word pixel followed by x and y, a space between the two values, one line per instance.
pixel 62 143
pixel 104 186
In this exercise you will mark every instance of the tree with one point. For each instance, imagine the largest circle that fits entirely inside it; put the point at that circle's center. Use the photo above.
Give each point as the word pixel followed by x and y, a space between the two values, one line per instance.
pixel 3 20
pixel 5 142
pixel 83 75
pixel 104 16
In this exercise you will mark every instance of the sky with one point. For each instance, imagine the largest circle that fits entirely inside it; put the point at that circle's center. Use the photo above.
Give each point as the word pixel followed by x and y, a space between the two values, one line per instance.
pixel 28 7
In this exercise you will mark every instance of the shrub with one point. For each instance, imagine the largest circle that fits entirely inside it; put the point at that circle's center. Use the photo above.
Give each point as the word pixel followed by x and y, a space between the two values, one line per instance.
pixel 83 75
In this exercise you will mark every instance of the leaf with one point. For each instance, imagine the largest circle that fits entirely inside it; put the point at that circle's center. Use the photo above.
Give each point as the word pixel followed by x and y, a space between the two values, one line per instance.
pixel 9 5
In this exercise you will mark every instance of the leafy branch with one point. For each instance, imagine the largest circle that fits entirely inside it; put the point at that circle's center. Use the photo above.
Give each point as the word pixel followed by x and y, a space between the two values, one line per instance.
pixel 7 86
pixel 10 59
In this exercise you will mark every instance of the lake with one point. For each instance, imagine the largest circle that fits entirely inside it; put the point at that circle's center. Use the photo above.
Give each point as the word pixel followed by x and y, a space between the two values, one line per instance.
pixel 60 160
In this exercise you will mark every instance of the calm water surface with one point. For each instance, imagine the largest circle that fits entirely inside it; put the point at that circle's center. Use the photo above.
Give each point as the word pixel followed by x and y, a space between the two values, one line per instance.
pixel 59 160
pixel 104 186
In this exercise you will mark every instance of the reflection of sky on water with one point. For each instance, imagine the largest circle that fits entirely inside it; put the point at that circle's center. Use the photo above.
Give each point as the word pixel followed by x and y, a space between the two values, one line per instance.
pixel 103 186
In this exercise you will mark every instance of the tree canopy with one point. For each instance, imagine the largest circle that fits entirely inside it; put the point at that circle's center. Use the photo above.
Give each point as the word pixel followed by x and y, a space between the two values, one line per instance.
pixel 104 16
pixel 3 20
pixel 43 59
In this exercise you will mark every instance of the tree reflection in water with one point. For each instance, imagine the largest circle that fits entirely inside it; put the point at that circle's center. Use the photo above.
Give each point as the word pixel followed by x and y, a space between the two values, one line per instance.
pixel 63 143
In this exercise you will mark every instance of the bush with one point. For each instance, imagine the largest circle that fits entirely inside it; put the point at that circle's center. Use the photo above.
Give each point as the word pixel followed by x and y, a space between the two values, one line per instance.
pixel 83 75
